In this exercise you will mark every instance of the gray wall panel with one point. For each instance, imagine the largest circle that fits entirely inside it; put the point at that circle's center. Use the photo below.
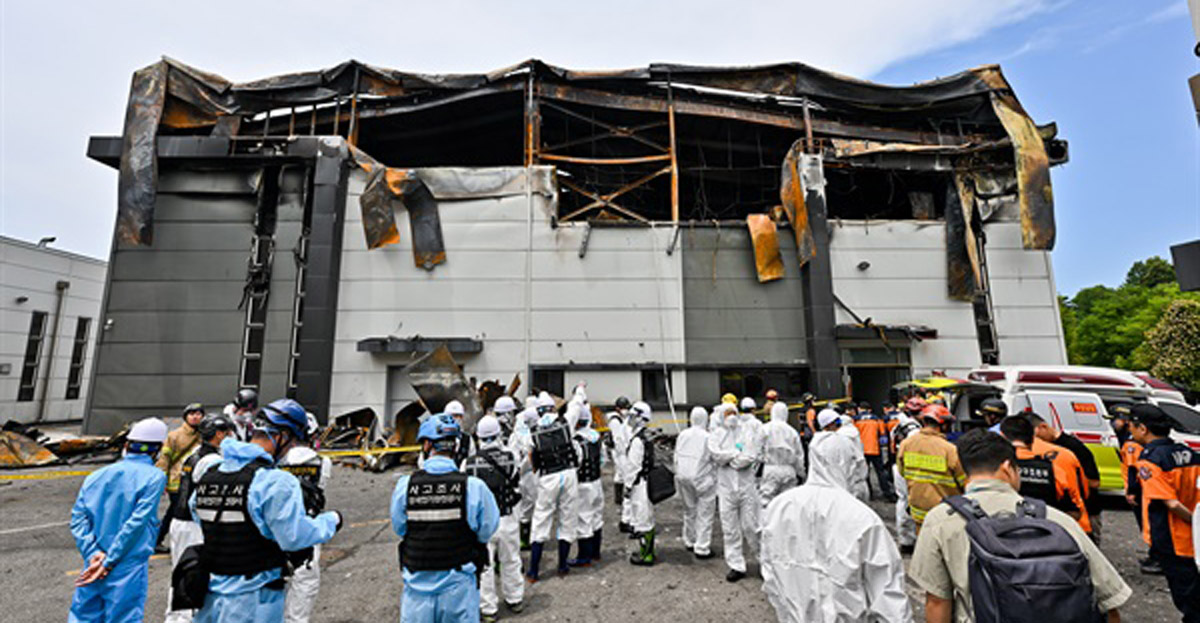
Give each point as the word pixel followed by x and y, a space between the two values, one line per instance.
pixel 729 317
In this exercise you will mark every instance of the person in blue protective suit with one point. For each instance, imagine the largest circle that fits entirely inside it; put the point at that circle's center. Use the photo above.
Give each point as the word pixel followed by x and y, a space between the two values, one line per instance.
pixel 253 516
pixel 115 525
pixel 445 519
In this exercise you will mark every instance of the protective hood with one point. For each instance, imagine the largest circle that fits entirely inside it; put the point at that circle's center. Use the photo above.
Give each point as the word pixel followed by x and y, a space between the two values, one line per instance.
pixel 242 452
pixel 828 463
pixel 572 415
pixel 580 392
pixel 699 417
pixel 779 412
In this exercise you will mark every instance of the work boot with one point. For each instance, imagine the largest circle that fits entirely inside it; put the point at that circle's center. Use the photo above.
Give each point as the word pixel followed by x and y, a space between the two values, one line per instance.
pixel 517 608
pixel 734 575
pixel 564 555
pixel 585 554
pixel 644 557
pixel 488 618
pixel 1150 566
pixel 525 530
pixel 535 560
pixel 596 544
pixel 624 528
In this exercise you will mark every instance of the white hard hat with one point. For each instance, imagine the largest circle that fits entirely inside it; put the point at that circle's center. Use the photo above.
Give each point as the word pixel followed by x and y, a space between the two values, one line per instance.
pixel 545 400
pixel 748 404
pixel 488 427
pixel 454 407
pixel 531 402
pixel 313 424
pixel 827 417
pixel 642 409
pixel 505 404
pixel 149 430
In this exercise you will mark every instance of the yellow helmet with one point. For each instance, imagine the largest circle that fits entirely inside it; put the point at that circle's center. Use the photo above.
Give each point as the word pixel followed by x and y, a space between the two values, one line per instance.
pixel 729 399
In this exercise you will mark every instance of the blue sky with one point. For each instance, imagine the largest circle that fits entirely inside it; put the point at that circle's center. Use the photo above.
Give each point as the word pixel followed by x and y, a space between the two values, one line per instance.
pixel 1113 74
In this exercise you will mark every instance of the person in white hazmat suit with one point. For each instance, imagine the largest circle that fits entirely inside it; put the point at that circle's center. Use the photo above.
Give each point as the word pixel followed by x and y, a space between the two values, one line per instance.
pixel 734 449
pixel 837 450
pixel 783 456
pixel 619 431
pixel 640 458
pixel 312 470
pixel 521 442
pixel 555 456
pixel 499 466
pixel 185 532
pixel 505 410
pixel 827 557
pixel 859 485
pixel 696 481
pixel 906 527
pixel 591 488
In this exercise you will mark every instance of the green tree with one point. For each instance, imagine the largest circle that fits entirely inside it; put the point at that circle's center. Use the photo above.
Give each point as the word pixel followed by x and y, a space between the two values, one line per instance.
pixel 1173 345
pixel 1150 272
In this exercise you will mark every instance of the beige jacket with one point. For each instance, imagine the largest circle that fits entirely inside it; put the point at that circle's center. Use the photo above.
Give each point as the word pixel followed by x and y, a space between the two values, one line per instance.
pixel 180 443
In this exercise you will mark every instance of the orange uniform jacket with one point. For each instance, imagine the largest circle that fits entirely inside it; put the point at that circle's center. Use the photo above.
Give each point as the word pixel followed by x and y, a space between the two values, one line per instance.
pixel 1168 471
pixel 871 428
pixel 1076 484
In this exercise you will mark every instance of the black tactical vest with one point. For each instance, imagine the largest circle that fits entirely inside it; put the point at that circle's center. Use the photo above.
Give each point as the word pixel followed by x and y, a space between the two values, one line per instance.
pixel 233 545
pixel 552 449
pixel 589 462
pixel 181 511
pixel 309 476
pixel 438 536
pixel 647 455
pixel 1037 480
pixel 464 448
pixel 500 476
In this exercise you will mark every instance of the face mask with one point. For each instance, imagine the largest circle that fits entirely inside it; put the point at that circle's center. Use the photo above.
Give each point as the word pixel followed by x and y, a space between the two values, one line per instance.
pixel 731 421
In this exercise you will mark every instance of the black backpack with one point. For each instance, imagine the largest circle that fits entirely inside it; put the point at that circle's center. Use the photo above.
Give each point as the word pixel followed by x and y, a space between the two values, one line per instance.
pixel 1025 568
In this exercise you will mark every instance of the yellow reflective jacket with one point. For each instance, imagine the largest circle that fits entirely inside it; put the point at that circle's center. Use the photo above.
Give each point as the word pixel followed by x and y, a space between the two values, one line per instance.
pixel 930 467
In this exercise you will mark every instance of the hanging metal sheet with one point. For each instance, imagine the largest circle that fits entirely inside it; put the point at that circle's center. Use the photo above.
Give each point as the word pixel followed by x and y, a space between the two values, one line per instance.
pixel 791 193
pixel 768 261
pixel 438 379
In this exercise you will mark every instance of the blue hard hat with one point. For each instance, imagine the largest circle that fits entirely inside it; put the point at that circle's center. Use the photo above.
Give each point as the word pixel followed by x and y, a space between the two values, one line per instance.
pixel 439 426
pixel 289 414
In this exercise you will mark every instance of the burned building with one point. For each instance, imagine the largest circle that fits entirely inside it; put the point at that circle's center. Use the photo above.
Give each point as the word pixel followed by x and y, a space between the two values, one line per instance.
pixel 670 232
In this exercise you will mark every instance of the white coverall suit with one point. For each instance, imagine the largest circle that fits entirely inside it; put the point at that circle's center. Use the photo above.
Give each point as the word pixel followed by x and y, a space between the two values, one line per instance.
pixel 906 526
pixel 641 511
pixel 184 534
pixel 305 582
pixel 504 547
pixel 783 456
pixel 696 480
pixel 522 443
pixel 837 455
pixel 557 496
pixel 620 437
pixel 734 449
pixel 827 557
pixel 858 475
pixel 591 494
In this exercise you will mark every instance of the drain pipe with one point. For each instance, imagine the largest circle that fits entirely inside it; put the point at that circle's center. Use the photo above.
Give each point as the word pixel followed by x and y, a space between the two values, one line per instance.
pixel 61 290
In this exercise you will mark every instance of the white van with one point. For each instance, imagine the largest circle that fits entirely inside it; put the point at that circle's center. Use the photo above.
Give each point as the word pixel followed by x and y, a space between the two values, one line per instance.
pixel 1108 382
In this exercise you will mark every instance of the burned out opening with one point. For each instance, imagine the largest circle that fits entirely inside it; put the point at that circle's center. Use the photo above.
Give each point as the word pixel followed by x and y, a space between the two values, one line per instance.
pixel 869 194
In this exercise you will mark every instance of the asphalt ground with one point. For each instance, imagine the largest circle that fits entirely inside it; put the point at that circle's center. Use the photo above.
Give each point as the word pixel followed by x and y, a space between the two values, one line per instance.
pixel 360 580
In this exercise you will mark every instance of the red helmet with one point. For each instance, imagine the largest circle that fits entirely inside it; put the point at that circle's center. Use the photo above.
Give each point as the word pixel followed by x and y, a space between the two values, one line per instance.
pixel 938 413
pixel 772 394
pixel 914 405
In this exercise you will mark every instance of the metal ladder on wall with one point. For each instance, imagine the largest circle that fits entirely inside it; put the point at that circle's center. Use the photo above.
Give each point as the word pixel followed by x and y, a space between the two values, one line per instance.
pixel 256 293
pixel 985 315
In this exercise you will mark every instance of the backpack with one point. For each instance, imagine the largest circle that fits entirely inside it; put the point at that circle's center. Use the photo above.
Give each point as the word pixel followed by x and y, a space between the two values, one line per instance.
pixel 1024 568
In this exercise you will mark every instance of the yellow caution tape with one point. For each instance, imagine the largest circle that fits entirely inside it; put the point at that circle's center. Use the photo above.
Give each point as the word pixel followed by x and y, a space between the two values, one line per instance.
pixel 369 452
pixel 44 475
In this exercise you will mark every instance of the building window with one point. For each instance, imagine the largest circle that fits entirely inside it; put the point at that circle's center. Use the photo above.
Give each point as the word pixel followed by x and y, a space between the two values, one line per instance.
pixel 548 381
pixel 654 387
pixel 33 356
pixel 78 352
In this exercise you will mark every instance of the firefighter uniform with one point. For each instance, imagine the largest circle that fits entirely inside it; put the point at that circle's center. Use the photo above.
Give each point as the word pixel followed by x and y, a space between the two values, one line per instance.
pixel 930 467
pixel 1170 471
